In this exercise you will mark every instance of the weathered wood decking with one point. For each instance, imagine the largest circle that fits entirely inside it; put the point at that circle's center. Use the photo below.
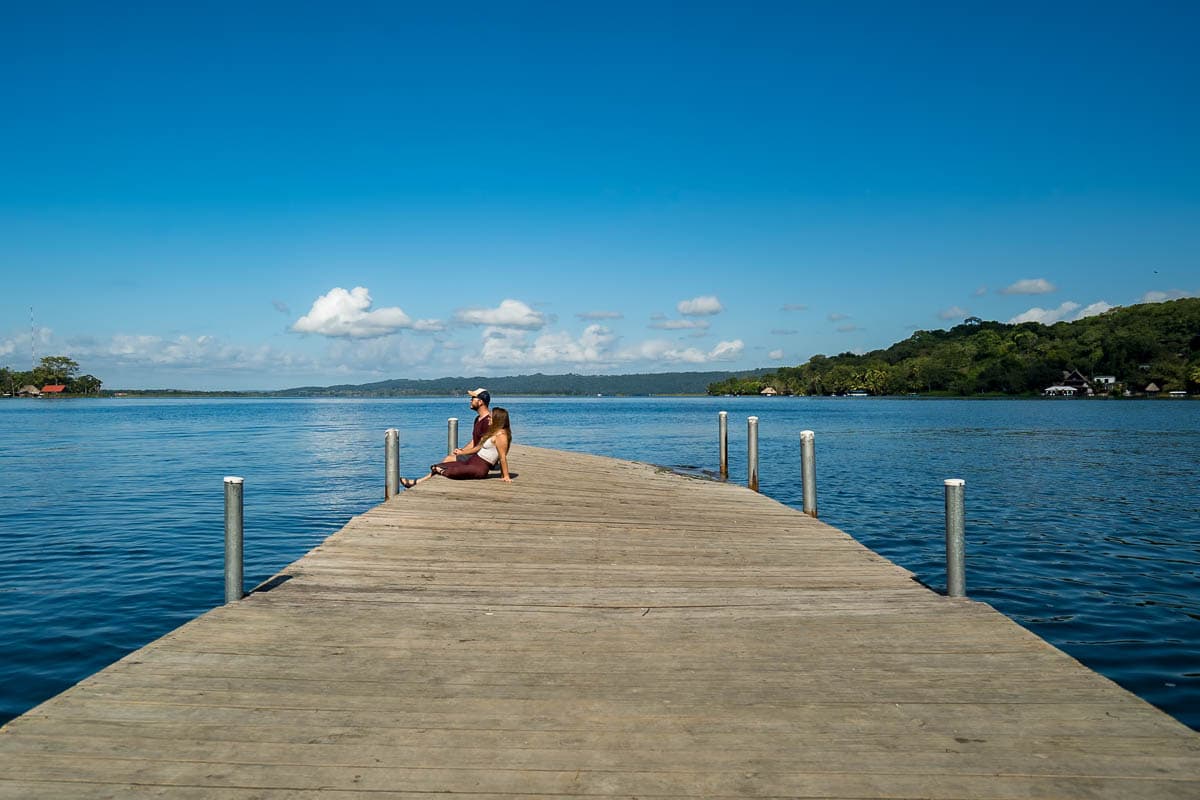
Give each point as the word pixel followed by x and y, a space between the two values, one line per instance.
pixel 597 628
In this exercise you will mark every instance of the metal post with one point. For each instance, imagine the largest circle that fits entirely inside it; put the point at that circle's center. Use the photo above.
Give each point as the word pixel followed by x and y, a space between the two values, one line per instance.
pixel 451 435
pixel 233 540
pixel 752 452
pixel 956 581
pixel 391 460
pixel 723 438
pixel 808 471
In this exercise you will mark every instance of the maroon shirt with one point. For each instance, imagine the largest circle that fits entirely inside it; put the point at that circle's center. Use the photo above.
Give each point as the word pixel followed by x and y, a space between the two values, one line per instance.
pixel 480 429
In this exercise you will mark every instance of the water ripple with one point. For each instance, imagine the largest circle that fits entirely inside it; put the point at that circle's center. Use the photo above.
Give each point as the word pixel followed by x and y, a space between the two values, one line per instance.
pixel 1082 518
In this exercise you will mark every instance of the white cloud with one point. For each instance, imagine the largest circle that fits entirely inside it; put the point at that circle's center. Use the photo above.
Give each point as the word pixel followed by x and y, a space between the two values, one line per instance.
pixel 775 355
pixel 149 355
pixel 347 314
pixel 679 324
pixel 1046 316
pixel 1069 312
pixel 662 351
pixel 848 328
pixel 703 306
pixel 599 315
pixel 205 353
pixel 838 317
pixel 206 361
pixel 596 347
pixel 953 312
pixel 1093 310
pixel 379 356
pixel 509 347
pixel 793 307
pixel 981 291
pixel 18 345
pixel 1030 286
pixel 784 332
pixel 509 314
pixel 727 351
pixel 1170 294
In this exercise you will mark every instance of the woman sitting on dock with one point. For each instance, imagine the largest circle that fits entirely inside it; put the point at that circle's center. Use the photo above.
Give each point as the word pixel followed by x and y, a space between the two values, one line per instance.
pixel 492 448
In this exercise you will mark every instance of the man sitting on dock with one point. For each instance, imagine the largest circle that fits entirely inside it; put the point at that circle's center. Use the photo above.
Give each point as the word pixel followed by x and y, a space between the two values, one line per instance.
pixel 481 400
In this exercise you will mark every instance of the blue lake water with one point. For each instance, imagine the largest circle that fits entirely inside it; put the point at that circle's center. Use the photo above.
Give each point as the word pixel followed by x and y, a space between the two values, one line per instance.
pixel 1083 517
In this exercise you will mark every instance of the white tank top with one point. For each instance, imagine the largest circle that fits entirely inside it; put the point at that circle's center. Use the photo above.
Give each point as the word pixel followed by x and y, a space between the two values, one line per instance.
pixel 488 450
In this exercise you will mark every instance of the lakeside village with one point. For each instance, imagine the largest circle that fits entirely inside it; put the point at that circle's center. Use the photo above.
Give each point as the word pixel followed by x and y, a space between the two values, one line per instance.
pixel 1073 384
pixel 54 376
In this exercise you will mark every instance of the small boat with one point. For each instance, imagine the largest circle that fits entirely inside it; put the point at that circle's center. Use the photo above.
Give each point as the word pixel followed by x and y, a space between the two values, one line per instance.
pixel 859 393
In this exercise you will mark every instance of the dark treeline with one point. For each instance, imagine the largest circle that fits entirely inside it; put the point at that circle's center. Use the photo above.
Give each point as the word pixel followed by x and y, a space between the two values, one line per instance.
pixel 536 384
pixel 1155 343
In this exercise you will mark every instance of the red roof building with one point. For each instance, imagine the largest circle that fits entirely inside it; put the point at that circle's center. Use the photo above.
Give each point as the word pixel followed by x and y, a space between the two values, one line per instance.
pixel 54 388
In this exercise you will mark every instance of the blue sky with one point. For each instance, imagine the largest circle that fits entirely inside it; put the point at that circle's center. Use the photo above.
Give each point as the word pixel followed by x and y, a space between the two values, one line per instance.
pixel 259 195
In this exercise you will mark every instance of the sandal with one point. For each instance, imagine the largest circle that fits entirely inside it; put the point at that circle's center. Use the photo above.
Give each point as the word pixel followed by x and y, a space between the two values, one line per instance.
pixel 407 483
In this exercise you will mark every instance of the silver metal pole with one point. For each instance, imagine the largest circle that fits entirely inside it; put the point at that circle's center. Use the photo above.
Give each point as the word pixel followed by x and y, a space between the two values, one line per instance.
pixel 752 452
pixel 808 471
pixel 956 581
pixel 723 438
pixel 451 435
pixel 233 540
pixel 391 460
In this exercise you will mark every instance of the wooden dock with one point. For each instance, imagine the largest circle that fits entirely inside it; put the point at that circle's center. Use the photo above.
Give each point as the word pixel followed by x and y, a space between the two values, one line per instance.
pixel 598 628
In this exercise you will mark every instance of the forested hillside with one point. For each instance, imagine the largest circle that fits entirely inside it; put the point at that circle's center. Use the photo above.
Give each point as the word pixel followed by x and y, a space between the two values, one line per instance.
pixel 537 384
pixel 1150 343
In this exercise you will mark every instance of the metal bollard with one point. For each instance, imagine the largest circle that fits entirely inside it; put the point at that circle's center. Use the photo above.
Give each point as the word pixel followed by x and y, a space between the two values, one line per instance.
pixel 451 435
pixel 752 452
pixel 956 581
pixel 723 438
pixel 391 461
pixel 233 540
pixel 808 471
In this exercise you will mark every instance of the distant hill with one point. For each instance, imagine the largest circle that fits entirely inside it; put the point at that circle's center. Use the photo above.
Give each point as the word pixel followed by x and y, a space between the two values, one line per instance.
pixel 1138 345
pixel 537 384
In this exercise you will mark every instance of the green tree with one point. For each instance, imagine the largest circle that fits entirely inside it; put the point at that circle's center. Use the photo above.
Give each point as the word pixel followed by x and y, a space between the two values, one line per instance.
pixel 85 384
pixel 1157 342
pixel 56 369
pixel 875 379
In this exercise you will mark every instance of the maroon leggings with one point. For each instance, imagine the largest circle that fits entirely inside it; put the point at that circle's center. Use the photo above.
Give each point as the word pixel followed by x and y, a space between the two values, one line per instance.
pixel 473 467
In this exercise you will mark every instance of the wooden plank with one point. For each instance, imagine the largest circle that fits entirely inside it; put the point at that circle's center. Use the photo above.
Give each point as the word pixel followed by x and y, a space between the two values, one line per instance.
pixel 606 628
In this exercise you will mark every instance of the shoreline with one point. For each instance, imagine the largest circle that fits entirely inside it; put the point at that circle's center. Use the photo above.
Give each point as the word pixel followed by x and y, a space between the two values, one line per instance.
pixel 268 395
